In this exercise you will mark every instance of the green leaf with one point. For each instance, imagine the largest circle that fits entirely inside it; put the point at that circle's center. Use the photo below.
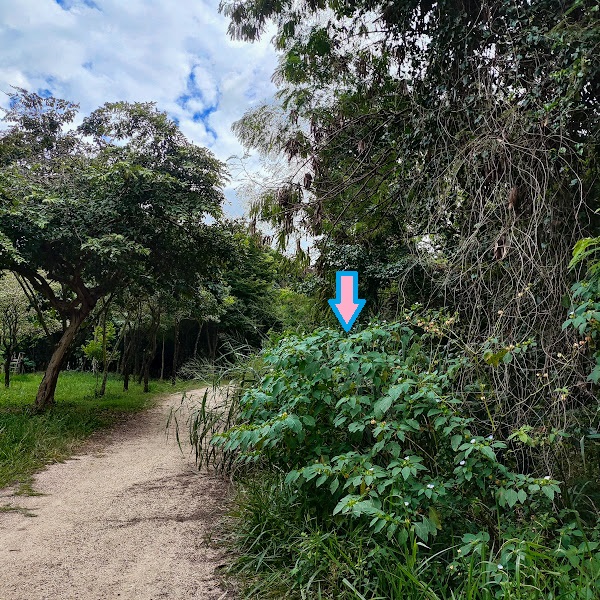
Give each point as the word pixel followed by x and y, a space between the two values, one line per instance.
pixel 511 497
pixel 548 491
pixel 293 422
pixel 382 406
pixel 422 530
pixel 492 358
pixel 292 476
pixel 435 518
pixel 580 251
pixel 308 420
pixel 594 376
pixel 488 452
pixel 414 424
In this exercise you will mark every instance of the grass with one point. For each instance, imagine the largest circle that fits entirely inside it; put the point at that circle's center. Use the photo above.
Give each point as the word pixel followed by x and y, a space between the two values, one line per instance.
pixel 284 547
pixel 28 442
pixel 4 508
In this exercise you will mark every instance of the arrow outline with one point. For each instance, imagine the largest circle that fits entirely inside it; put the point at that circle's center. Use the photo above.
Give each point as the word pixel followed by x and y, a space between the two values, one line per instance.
pixel 338 299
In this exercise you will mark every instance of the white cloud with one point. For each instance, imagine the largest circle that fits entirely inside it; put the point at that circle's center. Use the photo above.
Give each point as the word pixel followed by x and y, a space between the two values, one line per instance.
pixel 176 53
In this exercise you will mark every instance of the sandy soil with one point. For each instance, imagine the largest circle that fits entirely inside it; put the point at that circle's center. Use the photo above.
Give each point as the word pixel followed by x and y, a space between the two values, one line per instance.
pixel 128 519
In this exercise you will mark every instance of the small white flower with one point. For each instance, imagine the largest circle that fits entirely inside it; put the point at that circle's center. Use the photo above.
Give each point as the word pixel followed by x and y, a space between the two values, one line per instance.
pixel 430 486
pixel 406 503
pixel 547 478
pixel 500 567
pixel 473 441
pixel 490 437
pixel 406 458
pixel 462 463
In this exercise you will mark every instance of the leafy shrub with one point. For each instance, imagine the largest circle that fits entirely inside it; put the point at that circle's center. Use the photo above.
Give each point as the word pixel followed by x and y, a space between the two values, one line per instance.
pixel 369 426
pixel 585 315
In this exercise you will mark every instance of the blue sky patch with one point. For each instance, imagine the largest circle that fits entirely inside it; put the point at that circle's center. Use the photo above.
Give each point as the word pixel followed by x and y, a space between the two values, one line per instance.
pixel 193 92
pixel 183 100
pixel 202 117
pixel 204 114
pixel 69 4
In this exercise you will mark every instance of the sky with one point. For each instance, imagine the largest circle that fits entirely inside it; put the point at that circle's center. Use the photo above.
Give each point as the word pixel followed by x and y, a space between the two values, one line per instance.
pixel 174 52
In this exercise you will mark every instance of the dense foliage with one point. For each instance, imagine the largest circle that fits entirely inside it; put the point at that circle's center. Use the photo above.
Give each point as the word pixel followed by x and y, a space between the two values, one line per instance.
pixel 376 420
pixel 375 449
pixel 448 152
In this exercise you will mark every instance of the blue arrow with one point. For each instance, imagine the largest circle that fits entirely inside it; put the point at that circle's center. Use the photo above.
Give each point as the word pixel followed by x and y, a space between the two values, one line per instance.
pixel 346 306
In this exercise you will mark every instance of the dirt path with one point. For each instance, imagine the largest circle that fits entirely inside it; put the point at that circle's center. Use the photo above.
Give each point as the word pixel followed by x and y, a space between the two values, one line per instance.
pixel 127 520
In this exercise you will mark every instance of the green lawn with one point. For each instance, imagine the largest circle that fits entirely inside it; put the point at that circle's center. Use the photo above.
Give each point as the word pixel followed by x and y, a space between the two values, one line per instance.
pixel 28 442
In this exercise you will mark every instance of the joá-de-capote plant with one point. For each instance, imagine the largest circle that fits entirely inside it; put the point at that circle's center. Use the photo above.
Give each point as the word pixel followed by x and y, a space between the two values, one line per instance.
pixel 370 426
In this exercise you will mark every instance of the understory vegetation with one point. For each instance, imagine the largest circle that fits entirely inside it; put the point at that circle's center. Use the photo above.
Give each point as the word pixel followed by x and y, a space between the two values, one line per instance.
pixel 448 447
pixel 370 466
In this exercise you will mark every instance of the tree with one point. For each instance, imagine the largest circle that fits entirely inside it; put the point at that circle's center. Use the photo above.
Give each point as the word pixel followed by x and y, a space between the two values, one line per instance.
pixel 14 322
pixel 251 278
pixel 121 200
pixel 19 321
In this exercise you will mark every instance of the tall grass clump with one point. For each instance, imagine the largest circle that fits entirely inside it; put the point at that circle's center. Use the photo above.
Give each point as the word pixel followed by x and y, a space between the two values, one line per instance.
pixel 225 378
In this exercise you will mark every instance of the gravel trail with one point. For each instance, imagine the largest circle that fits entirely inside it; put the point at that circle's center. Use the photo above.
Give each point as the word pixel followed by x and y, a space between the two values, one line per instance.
pixel 128 519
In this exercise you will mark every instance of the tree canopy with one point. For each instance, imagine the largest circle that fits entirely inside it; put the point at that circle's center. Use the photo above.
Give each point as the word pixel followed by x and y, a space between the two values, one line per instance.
pixel 123 199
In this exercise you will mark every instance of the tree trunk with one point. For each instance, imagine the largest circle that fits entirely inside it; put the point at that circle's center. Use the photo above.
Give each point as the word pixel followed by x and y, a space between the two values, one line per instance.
pixel 121 365
pixel 7 357
pixel 126 362
pixel 137 363
pixel 215 345
pixel 107 362
pixel 149 359
pixel 208 340
pixel 175 353
pixel 146 377
pixel 104 353
pixel 150 353
pixel 162 358
pixel 200 325
pixel 45 394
